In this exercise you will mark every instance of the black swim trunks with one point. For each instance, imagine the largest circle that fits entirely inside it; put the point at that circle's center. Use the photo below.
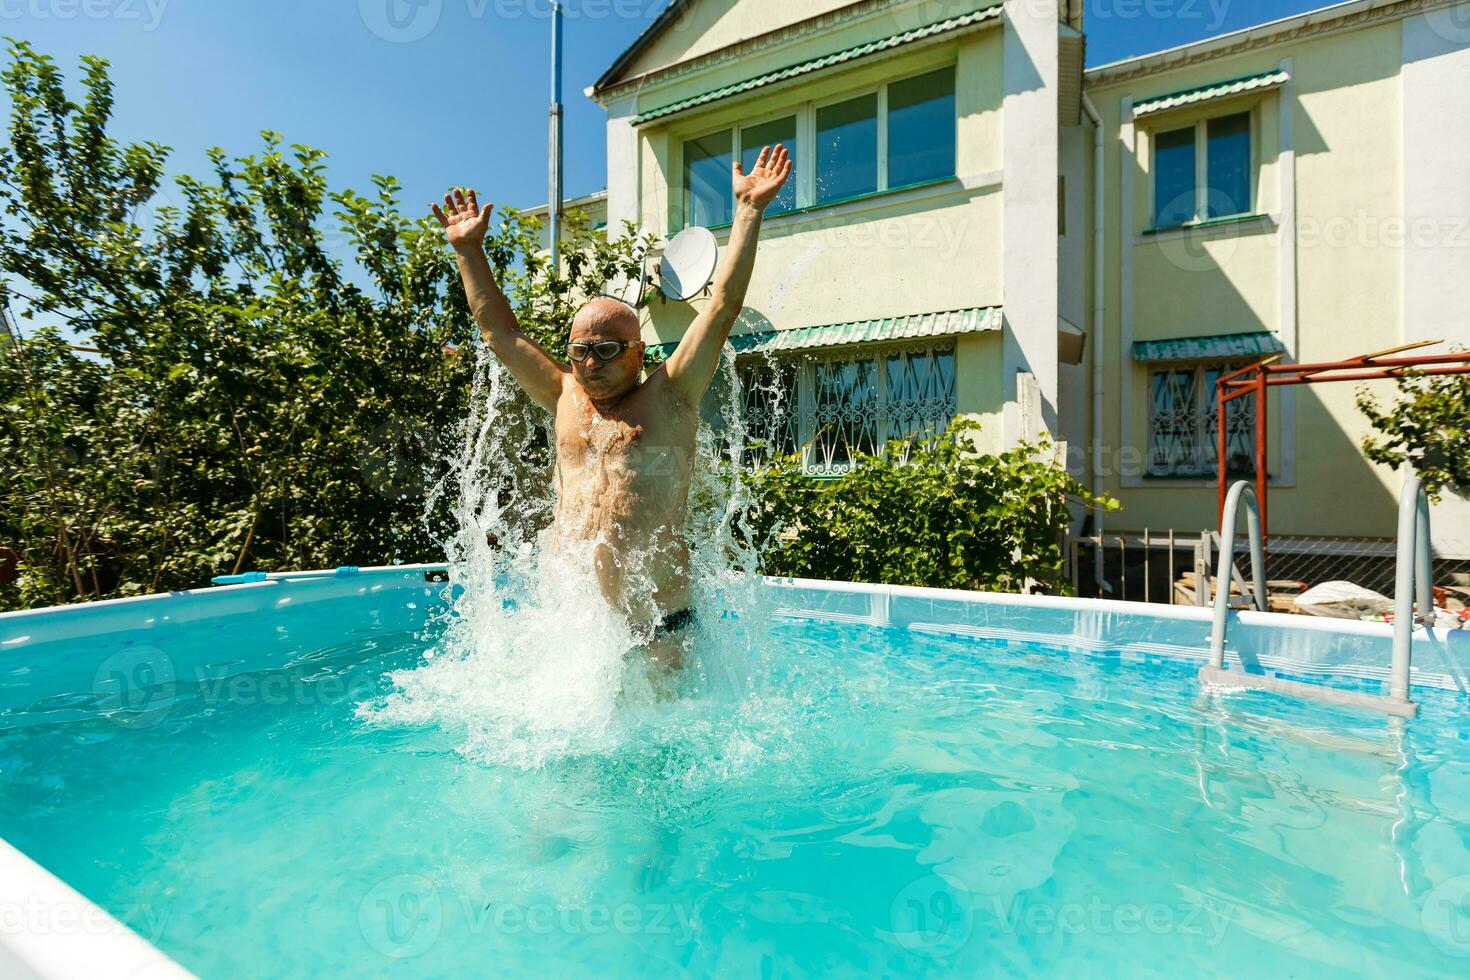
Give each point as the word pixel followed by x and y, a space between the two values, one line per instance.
pixel 674 622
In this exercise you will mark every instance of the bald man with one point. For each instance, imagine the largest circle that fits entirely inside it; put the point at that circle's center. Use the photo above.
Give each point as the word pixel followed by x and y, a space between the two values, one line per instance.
pixel 624 446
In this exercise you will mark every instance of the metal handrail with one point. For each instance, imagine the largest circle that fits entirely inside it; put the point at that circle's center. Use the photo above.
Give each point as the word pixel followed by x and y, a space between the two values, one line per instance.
pixel 1413 573
pixel 1225 573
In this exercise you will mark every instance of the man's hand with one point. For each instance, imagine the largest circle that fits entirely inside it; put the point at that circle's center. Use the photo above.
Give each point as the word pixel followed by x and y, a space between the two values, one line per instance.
pixel 759 188
pixel 465 222
pixel 692 365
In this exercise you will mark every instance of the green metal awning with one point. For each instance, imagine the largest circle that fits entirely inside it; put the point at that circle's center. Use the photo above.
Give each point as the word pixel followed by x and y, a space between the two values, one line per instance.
pixel 975 320
pixel 1230 346
pixel 826 61
pixel 1215 90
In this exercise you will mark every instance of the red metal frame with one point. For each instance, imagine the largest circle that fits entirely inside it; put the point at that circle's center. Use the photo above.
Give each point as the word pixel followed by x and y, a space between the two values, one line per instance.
pixel 1257 379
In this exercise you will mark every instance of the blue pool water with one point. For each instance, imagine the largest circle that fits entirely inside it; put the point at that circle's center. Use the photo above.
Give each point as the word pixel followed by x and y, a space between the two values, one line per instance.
pixel 881 801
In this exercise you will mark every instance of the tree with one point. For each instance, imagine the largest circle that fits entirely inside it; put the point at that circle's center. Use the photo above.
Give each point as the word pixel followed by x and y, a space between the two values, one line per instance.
pixel 255 402
pixel 1427 427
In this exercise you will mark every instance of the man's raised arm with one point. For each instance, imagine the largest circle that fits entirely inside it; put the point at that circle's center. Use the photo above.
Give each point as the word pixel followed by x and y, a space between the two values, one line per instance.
pixel 465 224
pixel 693 364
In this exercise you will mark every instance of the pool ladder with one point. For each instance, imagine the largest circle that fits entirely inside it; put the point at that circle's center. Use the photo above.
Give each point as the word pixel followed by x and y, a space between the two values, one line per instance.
pixel 1412 574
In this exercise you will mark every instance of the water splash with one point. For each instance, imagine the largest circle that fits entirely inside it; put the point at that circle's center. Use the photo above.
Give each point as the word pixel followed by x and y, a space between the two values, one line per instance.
pixel 531 664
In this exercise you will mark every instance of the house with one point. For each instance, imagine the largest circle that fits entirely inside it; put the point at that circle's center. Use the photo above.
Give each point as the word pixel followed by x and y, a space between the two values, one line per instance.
pixel 978 225
pixel 593 205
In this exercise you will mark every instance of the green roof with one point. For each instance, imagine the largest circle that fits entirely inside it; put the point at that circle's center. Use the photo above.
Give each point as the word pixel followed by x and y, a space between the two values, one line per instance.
pixel 919 325
pixel 1215 90
pixel 826 61
pixel 1230 346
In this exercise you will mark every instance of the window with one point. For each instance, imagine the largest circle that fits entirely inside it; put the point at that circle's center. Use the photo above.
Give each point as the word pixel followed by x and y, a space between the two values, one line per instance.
pixel 1228 156
pixel 921 128
pixel 1175 197
pixel 847 148
pixel 1183 430
pixel 753 138
pixel 902 134
pixel 837 405
pixel 768 392
pixel 708 199
pixel 845 413
pixel 1203 171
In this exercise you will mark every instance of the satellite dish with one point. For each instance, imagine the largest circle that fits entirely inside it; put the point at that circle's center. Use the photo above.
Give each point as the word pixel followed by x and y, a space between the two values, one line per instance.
pixel 688 263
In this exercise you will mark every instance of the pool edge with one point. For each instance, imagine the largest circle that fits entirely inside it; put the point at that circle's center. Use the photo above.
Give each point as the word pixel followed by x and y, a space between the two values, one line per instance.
pixel 81 939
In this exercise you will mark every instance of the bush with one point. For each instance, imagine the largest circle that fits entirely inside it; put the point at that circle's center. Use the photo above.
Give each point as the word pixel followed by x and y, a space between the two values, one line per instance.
pixel 944 517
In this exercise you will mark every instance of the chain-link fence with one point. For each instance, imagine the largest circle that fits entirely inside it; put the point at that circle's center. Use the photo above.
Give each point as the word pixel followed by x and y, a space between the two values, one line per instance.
pixel 1152 566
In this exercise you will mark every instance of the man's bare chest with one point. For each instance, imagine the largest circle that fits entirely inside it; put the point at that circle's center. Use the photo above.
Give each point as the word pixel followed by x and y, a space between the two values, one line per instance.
pixel 629 446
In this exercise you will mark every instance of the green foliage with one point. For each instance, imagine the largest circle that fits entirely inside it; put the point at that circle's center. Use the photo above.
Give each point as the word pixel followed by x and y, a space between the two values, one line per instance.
pixel 255 402
pixel 1427 428
pixel 939 515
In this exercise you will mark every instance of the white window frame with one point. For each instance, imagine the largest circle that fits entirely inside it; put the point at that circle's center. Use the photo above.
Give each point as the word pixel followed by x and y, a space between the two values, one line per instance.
pixel 1201 129
pixel 806 141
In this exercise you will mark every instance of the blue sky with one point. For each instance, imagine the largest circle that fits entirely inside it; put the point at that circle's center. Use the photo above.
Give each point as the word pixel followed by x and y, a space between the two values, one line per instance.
pixel 442 92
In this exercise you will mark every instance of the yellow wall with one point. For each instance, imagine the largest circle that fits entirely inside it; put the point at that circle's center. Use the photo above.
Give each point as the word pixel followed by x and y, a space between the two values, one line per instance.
pixel 916 251
pixel 713 24
pixel 1345 135
pixel 978 386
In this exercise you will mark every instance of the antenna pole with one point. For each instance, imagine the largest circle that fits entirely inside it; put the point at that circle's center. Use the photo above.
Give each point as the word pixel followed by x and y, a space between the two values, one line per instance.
pixel 8 333
pixel 553 197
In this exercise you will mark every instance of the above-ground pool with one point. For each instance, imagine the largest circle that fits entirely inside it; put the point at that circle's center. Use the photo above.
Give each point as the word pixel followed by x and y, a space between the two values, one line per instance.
pixel 912 782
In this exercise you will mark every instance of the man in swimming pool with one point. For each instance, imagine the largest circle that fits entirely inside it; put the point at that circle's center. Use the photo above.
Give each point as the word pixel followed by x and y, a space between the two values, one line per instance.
pixel 624 446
